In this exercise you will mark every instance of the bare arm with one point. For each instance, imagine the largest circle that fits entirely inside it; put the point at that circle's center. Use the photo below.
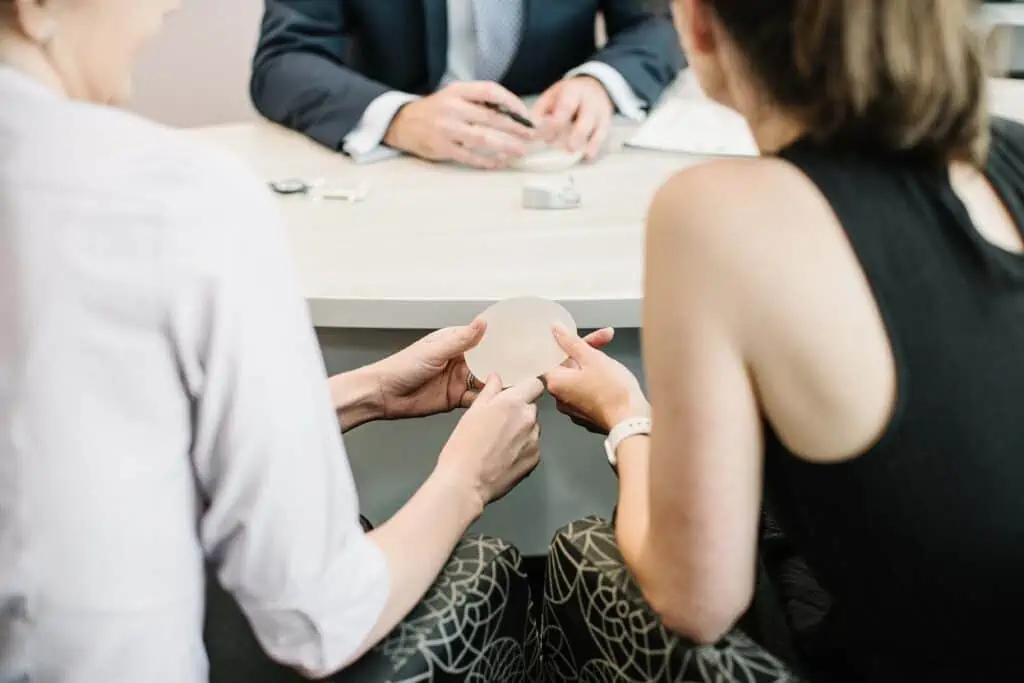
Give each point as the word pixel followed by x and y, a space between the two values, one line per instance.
pixel 692 547
pixel 417 542
pixel 356 397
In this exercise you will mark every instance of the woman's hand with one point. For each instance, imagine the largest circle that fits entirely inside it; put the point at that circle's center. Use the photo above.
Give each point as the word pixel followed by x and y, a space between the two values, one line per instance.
pixel 430 376
pixel 598 340
pixel 496 443
pixel 592 388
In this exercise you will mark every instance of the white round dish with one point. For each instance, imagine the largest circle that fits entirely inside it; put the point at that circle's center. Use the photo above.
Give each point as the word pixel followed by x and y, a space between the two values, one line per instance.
pixel 543 158
pixel 518 344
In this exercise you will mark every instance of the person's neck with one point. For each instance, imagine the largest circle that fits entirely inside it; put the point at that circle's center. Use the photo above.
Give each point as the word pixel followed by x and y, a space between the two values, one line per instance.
pixel 774 130
pixel 28 59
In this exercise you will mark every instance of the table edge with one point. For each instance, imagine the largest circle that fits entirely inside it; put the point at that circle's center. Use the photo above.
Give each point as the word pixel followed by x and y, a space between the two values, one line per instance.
pixel 420 314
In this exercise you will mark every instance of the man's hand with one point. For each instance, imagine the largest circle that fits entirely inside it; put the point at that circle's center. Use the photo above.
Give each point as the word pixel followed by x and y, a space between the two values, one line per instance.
pixel 577 111
pixel 454 124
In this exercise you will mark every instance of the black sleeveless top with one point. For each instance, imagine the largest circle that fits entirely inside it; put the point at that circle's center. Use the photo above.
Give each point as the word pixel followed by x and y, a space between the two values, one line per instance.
pixel 920 540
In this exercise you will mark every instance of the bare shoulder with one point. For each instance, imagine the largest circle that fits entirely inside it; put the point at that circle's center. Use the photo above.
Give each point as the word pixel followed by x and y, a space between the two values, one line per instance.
pixel 752 237
pixel 730 198
pixel 736 220
pixel 755 245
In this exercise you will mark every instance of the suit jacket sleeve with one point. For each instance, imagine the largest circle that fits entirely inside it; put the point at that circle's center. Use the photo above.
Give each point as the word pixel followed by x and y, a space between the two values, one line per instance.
pixel 642 45
pixel 300 78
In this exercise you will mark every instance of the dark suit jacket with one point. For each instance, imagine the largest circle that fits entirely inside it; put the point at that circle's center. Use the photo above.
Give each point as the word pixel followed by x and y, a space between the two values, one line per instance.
pixel 320 63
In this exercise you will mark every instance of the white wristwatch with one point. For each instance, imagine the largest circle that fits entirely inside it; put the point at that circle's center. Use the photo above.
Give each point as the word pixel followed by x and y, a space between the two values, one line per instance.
pixel 634 426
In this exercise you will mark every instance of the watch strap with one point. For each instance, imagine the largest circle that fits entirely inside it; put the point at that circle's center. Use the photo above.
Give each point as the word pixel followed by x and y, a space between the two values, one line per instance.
pixel 630 427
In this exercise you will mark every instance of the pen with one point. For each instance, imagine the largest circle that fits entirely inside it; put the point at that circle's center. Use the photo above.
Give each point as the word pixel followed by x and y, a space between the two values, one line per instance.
pixel 502 109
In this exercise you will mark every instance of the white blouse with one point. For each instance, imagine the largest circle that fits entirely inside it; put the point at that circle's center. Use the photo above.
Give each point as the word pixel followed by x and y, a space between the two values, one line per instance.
pixel 162 401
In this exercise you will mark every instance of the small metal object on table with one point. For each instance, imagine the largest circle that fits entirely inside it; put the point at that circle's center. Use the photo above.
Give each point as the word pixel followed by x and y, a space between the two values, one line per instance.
pixel 317 189
pixel 545 194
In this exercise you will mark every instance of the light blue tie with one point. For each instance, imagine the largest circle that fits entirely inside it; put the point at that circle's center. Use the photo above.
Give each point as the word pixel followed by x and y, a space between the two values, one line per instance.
pixel 498 26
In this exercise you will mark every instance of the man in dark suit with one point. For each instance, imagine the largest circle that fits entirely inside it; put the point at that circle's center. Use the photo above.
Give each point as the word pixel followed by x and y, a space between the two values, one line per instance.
pixel 366 76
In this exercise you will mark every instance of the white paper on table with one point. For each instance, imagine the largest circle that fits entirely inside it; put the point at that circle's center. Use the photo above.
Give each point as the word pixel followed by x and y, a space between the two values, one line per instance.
pixel 1002 14
pixel 692 124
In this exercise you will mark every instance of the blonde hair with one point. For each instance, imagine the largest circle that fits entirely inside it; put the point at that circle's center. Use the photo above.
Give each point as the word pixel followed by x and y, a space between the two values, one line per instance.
pixel 892 76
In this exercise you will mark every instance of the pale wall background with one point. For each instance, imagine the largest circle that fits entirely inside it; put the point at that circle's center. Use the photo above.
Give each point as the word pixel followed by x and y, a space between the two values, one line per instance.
pixel 197 71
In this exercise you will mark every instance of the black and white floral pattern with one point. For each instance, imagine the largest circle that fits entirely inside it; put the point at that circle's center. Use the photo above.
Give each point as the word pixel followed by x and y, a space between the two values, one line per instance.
pixel 597 628
pixel 475 624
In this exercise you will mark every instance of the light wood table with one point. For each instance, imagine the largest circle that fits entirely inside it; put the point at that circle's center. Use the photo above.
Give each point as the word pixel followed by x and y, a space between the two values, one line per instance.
pixel 432 246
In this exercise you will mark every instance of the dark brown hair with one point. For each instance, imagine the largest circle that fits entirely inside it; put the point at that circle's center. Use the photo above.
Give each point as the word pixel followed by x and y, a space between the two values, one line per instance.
pixel 892 76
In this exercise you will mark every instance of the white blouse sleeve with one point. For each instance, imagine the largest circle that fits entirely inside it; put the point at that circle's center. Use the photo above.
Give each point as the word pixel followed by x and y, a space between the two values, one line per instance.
pixel 281 522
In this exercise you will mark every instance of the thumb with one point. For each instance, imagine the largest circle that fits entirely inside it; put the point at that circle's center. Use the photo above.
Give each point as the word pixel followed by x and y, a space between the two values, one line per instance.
pixel 541 112
pixel 556 380
pixel 527 392
pixel 457 340
pixel 491 389
pixel 545 102
pixel 600 338
pixel 577 349
pixel 470 335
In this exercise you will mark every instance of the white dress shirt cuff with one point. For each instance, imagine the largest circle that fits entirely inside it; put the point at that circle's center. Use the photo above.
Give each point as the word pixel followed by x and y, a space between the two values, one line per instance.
pixel 320 619
pixel 364 142
pixel 621 94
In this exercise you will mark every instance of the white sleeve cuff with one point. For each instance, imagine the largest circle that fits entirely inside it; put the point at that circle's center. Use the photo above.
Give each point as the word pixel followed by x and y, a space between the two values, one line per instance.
pixel 622 95
pixel 318 627
pixel 363 143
